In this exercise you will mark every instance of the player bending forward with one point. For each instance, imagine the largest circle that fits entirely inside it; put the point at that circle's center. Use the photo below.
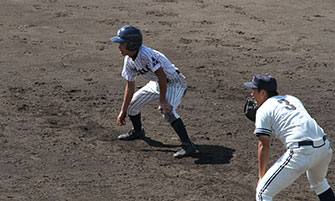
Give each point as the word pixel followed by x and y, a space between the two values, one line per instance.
pixel 166 84
pixel 308 150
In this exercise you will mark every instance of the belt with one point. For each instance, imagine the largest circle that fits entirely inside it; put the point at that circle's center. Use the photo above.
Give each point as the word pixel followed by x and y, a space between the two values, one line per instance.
pixel 315 144
pixel 177 71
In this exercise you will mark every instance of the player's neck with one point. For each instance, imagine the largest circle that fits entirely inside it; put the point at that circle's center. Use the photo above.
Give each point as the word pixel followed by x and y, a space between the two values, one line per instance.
pixel 133 54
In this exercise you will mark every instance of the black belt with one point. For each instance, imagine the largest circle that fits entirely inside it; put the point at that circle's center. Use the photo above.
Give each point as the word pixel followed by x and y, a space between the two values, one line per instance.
pixel 310 143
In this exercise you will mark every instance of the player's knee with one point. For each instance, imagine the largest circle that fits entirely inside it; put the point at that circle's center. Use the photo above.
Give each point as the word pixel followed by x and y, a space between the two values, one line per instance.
pixel 170 117
pixel 133 112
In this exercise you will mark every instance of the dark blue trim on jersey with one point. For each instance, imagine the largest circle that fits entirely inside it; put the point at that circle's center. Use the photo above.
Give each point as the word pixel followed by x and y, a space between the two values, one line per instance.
pixel 275 174
pixel 258 134
pixel 263 130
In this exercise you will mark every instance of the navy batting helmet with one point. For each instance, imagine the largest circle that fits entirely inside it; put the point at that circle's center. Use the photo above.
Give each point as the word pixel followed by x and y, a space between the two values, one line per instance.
pixel 129 34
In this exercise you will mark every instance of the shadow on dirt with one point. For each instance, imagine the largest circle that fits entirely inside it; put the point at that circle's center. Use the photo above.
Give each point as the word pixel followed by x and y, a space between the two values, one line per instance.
pixel 206 154
pixel 213 154
pixel 155 143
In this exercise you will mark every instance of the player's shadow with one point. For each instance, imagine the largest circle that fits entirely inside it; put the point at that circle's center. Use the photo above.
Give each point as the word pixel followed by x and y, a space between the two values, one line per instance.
pixel 213 154
pixel 155 143
pixel 206 154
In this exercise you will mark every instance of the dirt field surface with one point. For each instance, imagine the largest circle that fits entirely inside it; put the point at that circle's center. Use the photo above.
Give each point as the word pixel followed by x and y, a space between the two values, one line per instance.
pixel 61 91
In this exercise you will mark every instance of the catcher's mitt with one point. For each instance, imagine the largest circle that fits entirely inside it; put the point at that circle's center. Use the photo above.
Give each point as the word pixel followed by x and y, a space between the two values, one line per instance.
pixel 250 109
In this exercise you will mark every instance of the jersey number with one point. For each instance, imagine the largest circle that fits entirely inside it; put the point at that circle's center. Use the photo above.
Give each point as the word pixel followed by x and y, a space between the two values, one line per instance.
pixel 144 70
pixel 288 105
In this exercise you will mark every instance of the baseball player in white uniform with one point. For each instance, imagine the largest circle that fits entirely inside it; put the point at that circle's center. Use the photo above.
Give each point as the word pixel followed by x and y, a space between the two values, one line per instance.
pixel 308 150
pixel 166 84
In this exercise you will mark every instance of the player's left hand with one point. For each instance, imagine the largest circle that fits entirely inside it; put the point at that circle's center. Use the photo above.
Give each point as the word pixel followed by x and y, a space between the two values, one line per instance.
pixel 165 107
pixel 250 109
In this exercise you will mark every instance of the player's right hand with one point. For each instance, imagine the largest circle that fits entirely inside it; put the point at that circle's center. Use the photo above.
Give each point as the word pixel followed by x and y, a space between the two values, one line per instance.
pixel 165 107
pixel 121 119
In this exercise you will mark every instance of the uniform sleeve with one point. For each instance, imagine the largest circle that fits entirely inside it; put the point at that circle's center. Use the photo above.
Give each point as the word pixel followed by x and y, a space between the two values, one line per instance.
pixel 128 73
pixel 156 64
pixel 263 122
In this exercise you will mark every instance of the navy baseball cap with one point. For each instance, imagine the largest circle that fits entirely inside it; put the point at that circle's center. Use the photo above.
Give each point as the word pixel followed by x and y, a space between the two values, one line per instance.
pixel 262 81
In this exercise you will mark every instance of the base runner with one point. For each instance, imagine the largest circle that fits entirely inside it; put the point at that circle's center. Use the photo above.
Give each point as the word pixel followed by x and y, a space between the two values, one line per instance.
pixel 166 84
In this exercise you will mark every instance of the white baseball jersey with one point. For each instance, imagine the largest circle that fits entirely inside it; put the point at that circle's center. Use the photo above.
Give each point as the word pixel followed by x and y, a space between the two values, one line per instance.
pixel 146 63
pixel 288 120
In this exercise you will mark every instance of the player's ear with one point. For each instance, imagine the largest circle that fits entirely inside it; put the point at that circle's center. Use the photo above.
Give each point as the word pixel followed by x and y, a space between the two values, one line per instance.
pixel 264 93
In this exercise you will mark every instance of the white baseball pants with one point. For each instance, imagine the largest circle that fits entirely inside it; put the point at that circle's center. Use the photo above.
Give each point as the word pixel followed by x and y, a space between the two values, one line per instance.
pixel 293 163
pixel 176 87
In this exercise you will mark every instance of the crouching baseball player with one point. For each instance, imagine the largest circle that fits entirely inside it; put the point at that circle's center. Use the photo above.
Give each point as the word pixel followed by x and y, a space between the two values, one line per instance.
pixel 166 84
pixel 308 150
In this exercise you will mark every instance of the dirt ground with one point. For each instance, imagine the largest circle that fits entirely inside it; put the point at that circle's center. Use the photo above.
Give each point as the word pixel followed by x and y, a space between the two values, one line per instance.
pixel 61 91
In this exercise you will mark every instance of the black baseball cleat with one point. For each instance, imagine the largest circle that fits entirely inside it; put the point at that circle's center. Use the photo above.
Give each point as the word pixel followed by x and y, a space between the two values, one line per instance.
pixel 132 135
pixel 187 149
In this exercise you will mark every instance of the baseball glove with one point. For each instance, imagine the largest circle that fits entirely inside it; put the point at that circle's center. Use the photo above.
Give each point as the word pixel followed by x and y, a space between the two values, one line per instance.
pixel 250 109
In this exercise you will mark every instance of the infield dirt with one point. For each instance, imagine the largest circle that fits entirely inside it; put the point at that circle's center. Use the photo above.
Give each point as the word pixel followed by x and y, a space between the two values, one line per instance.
pixel 61 91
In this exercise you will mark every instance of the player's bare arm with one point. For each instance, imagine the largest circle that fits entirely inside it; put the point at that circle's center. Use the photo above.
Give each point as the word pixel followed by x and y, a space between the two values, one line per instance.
pixel 263 154
pixel 128 95
pixel 164 106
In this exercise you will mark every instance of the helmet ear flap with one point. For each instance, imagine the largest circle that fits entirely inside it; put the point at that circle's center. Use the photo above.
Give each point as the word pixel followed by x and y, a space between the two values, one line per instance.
pixel 131 46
